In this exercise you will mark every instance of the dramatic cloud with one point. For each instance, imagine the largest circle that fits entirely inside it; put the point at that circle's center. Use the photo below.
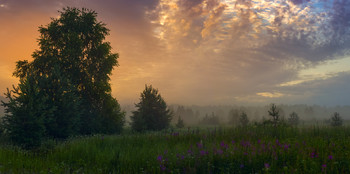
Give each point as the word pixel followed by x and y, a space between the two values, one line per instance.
pixel 209 51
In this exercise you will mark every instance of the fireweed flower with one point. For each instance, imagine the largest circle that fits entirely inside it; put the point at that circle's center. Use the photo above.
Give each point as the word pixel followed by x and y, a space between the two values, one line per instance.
pixel 199 145
pixel 162 167
pixel 160 158
pixel 203 152
pixel 313 154
pixel 267 165
pixel 223 145
pixel 330 157
pixel 324 166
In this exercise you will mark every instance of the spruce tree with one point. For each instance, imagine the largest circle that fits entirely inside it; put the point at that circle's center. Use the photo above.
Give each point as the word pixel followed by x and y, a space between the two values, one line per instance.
pixel 152 112
pixel 25 113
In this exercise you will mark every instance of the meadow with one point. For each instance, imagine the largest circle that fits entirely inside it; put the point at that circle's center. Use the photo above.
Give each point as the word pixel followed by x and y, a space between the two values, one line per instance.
pixel 252 149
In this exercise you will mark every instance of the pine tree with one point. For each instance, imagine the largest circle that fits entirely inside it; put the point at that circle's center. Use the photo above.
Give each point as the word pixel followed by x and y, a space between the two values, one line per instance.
pixel 180 123
pixel 26 110
pixel 336 120
pixel 152 112
pixel 243 119
pixel 274 113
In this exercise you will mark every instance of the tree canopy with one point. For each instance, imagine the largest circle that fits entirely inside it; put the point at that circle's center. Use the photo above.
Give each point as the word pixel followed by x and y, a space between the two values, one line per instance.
pixel 71 72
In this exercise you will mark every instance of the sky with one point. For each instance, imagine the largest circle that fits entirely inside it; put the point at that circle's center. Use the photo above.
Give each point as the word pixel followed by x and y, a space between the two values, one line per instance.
pixel 206 52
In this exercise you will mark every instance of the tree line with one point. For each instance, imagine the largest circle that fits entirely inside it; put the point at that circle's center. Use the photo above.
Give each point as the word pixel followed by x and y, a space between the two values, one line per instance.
pixel 65 90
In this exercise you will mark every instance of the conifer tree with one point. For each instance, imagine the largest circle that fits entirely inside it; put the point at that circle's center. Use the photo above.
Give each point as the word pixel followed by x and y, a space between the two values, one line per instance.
pixel 152 112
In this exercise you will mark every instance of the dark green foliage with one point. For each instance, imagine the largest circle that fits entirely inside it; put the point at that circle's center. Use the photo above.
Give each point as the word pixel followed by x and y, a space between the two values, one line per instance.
pixel 274 113
pixel 243 119
pixel 336 120
pixel 75 58
pixel 180 123
pixel 68 80
pixel 26 111
pixel 152 112
pixel 293 119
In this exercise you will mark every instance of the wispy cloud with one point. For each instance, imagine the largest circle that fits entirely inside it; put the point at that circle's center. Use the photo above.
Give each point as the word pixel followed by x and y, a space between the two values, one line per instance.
pixel 217 51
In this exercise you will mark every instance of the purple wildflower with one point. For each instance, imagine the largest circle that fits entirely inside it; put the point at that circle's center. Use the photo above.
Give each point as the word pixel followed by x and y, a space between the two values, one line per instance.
pixel 223 145
pixel 277 142
pixel 313 154
pixel 267 165
pixel 324 166
pixel 189 151
pixel 330 157
pixel 160 158
pixel 233 141
pixel 162 167
pixel 203 152
pixel 241 166
pixel 199 145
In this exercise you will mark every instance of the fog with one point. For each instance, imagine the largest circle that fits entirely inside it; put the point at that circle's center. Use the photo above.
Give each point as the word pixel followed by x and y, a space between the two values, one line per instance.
pixel 225 114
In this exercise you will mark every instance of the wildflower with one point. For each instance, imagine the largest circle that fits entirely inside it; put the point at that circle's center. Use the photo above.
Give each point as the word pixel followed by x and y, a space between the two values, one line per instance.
pixel 203 152
pixel 267 165
pixel 241 166
pixel 277 142
pixel 233 141
pixel 313 154
pixel 160 158
pixel 223 145
pixel 200 145
pixel 286 146
pixel 324 166
pixel 181 157
pixel 330 157
pixel 162 167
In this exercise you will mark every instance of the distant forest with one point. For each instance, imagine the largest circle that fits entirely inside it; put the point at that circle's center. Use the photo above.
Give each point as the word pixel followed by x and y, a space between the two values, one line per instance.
pixel 194 115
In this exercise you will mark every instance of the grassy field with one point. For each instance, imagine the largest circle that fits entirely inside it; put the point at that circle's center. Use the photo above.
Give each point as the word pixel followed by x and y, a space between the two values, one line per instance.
pixel 252 149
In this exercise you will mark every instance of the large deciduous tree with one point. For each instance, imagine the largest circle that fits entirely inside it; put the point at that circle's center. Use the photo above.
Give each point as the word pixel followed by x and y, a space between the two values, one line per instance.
pixel 152 112
pixel 71 70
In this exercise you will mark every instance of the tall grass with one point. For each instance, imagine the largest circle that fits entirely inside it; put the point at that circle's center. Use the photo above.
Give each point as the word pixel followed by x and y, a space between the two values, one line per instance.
pixel 312 149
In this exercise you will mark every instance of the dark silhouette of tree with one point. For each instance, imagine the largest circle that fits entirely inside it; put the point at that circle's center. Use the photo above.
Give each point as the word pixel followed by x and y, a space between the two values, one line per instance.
pixel 152 112
pixel 336 120
pixel 71 71
pixel 274 113
pixel 180 123
pixel 210 120
pixel 293 119
pixel 26 111
pixel 243 119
